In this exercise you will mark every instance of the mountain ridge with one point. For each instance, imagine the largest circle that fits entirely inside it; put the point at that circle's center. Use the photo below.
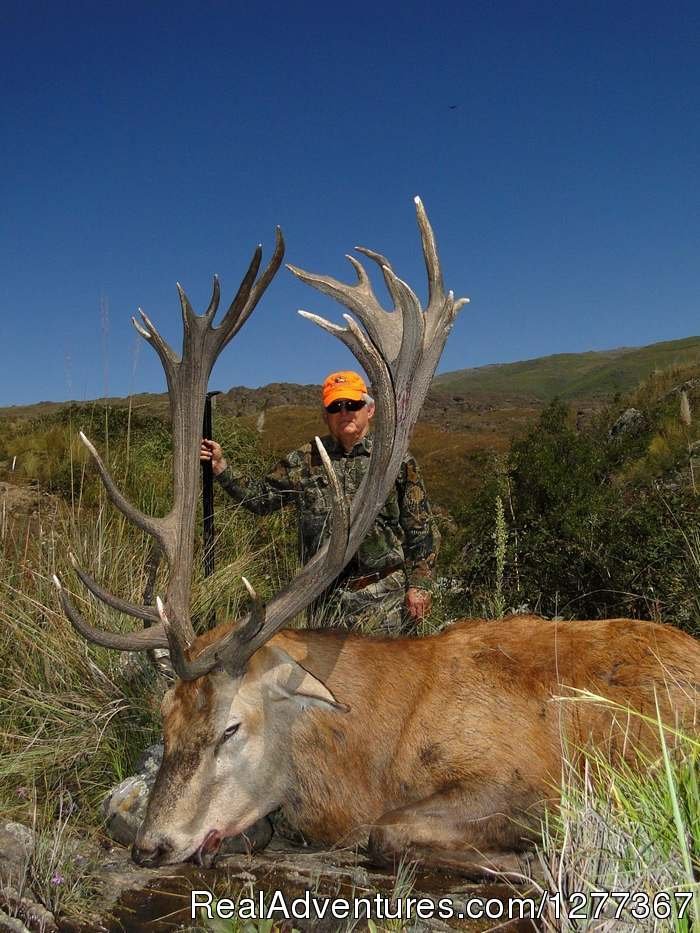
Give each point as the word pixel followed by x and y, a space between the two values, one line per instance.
pixel 588 377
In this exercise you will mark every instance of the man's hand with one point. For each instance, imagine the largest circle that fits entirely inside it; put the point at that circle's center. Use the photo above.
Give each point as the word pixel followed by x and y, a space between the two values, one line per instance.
pixel 210 450
pixel 418 603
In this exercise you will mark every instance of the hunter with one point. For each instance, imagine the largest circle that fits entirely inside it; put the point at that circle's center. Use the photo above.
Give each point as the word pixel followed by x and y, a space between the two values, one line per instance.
pixel 387 587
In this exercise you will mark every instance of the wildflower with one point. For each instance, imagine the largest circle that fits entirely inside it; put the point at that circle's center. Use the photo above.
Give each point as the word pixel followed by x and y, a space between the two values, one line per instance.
pixel 23 793
pixel 57 878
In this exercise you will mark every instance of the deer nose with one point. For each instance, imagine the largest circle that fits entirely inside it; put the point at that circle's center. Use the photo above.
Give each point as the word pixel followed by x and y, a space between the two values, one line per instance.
pixel 150 856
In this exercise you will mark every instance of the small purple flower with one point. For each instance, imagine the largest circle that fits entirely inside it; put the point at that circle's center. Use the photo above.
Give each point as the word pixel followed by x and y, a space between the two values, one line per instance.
pixel 57 878
pixel 23 793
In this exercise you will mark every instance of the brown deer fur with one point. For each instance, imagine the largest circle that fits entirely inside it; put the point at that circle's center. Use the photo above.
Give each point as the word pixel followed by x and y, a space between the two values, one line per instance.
pixel 453 743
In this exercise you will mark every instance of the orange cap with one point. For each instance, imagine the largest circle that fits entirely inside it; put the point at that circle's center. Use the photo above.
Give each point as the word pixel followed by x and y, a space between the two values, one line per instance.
pixel 346 384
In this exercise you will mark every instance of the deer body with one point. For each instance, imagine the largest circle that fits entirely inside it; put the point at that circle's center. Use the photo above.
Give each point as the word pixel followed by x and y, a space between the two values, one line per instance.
pixel 449 744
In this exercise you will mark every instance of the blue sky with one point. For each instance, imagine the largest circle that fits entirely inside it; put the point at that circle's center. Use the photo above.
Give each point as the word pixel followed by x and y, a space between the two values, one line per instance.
pixel 555 146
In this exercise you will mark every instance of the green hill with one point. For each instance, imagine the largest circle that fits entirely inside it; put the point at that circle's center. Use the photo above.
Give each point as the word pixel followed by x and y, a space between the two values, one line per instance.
pixel 572 375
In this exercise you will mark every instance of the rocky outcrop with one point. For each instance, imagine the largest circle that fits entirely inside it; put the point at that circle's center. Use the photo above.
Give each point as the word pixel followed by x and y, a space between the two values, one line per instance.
pixel 124 807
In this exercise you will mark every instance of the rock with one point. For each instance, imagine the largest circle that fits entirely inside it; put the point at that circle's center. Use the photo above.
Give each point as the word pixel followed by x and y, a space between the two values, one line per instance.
pixel 149 761
pixel 25 914
pixel 11 924
pixel 16 849
pixel 125 807
pixel 631 421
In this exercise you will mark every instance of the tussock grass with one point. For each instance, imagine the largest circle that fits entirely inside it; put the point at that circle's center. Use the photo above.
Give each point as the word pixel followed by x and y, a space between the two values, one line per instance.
pixel 69 714
pixel 76 715
pixel 624 829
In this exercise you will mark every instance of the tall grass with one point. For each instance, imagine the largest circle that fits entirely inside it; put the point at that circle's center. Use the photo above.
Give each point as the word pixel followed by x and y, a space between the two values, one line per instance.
pixel 76 715
pixel 70 714
pixel 624 829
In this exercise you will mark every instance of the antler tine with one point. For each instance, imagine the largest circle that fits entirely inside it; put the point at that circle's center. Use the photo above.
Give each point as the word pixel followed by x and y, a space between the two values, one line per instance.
pixel 361 300
pixel 406 304
pixel 412 333
pixel 382 332
pixel 385 267
pixel 340 511
pixel 356 297
pixel 153 637
pixel 257 615
pixel 436 286
pixel 188 314
pixel 250 291
pixel 168 356
pixel 177 644
pixel 265 279
pixel 354 339
pixel 210 313
pixel 153 526
pixel 147 613
pixel 225 330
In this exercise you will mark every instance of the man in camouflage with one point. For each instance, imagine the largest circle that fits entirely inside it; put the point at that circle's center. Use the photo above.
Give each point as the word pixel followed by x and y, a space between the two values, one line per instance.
pixel 387 586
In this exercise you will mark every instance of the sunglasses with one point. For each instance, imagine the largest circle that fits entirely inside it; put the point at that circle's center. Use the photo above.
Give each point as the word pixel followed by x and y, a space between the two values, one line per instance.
pixel 342 405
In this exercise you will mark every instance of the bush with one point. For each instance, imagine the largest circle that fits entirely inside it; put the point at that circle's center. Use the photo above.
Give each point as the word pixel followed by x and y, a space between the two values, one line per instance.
pixel 584 538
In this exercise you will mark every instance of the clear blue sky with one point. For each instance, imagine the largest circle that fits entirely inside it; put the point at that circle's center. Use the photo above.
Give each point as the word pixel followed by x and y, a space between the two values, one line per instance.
pixel 555 145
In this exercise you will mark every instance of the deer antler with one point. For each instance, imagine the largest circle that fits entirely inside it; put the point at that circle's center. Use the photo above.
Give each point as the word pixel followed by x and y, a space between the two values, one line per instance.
pixel 398 349
pixel 187 377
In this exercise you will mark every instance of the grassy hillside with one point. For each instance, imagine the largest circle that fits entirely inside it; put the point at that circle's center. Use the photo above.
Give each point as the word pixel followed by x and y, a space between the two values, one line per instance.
pixel 469 416
pixel 572 375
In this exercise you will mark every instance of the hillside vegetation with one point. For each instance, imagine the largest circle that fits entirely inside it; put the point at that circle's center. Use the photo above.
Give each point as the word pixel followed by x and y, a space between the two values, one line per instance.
pixel 594 519
pixel 572 375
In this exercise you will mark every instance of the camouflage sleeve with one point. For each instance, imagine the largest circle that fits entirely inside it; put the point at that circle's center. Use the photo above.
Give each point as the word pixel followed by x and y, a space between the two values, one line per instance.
pixel 273 492
pixel 422 538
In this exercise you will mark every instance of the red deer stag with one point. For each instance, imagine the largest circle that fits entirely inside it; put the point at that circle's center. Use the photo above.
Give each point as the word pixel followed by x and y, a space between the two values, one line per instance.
pixel 445 746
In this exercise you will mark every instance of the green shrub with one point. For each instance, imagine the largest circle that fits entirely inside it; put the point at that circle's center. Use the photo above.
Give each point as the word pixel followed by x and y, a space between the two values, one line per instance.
pixel 588 536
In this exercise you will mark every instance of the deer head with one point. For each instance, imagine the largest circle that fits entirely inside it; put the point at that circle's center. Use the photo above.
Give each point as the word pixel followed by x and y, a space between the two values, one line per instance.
pixel 226 719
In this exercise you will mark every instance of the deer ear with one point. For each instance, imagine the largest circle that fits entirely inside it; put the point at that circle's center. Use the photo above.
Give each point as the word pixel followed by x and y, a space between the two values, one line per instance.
pixel 293 682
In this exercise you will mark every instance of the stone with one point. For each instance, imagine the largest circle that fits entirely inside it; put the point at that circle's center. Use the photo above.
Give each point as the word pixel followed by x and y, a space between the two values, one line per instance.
pixel 16 849
pixel 11 924
pixel 631 421
pixel 149 761
pixel 25 914
pixel 125 807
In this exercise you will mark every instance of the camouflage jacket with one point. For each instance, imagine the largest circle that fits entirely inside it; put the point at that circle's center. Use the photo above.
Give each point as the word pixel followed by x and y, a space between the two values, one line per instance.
pixel 404 532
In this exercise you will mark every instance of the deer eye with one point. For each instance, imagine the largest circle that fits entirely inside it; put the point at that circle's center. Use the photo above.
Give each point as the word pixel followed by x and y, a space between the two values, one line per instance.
pixel 230 730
